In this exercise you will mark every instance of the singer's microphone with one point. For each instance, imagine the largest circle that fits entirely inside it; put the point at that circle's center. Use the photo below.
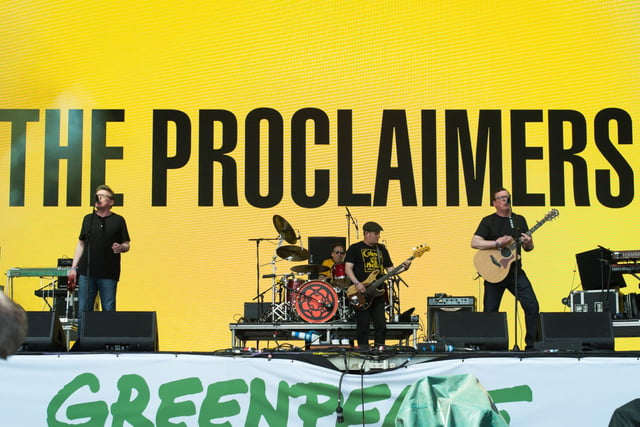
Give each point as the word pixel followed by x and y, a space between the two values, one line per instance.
pixel 509 200
pixel 97 200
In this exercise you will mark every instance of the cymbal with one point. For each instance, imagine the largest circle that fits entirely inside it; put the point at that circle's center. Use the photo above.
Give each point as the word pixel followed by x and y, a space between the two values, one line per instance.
pixel 284 229
pixel 310 268
pixel 292 253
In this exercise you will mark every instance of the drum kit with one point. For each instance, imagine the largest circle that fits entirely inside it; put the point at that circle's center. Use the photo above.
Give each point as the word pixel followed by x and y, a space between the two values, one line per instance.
pixel 304 299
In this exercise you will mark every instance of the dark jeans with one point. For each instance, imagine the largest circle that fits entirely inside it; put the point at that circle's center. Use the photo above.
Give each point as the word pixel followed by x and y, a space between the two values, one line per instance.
pixel 376 314
pixel 493 296
pixel 88 288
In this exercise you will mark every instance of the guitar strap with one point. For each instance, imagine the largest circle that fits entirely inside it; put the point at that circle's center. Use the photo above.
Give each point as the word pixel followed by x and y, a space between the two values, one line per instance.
pixel 380 266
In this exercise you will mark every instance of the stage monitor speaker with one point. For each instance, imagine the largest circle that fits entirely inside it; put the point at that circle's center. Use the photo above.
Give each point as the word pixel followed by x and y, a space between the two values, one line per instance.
pixel 253 311
pixel 471 329
pixel 44 333
pixel 595 271
pixel 121 331
pixel 575 331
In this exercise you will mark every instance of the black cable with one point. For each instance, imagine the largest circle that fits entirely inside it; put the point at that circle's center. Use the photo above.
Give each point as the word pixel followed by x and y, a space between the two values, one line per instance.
pixel 339 410
pixel 362 389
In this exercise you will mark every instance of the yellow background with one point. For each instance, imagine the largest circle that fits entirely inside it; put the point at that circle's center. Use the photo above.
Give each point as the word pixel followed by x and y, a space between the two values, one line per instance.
pixel 196 265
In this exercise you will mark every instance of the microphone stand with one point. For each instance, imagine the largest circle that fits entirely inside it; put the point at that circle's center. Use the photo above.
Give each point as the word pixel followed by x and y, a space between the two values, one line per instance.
pixel 258 240
pixel 515 286
pixel 88 249
pixel 351 219
pixel 516 270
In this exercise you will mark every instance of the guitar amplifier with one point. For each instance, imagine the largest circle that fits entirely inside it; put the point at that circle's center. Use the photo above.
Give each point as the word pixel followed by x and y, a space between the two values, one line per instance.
pixel 446 303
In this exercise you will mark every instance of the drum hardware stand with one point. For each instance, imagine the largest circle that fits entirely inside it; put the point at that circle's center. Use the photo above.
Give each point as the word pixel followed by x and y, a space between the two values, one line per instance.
pixel 279 310
pixel 345 310
pixel 393 308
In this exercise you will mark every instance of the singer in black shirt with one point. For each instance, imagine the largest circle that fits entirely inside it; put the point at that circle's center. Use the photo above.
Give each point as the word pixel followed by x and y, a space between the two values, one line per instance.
pixel 500 230
pixel 96 261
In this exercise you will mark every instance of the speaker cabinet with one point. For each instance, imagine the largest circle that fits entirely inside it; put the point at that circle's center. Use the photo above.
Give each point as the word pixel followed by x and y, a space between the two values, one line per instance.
pixel 469 329
pixel 44 333
pixel 575 331
pixel 253 311
pixel 121 331
pixel 442 302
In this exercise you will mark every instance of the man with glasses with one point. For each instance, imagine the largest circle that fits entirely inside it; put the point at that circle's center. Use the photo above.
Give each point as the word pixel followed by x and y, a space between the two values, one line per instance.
pixel 337 258
pixel 500 230
pixel 96 261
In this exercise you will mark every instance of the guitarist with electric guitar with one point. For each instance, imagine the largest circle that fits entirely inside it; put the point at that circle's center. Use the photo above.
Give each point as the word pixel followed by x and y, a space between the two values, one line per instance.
pixel 499 240
pixel 362 259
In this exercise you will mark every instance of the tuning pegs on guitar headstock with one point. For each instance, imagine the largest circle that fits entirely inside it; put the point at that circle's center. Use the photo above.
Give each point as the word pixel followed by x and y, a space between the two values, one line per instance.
pixel 552 214
pixel 420 250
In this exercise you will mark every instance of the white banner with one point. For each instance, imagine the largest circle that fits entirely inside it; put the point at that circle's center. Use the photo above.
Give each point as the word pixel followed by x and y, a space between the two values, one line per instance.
pixel 196 389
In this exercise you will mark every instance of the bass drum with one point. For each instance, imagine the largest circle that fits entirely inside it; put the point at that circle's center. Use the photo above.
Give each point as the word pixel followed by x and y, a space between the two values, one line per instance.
pixel 316 302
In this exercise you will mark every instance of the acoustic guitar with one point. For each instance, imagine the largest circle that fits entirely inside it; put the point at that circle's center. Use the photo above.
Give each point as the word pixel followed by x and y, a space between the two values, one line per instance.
pixel 374 287
pixel 493 264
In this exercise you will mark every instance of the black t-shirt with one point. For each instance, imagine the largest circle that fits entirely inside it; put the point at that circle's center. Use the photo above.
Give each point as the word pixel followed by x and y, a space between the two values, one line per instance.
pixel 366 259
pixel 98 234
pixel 493 226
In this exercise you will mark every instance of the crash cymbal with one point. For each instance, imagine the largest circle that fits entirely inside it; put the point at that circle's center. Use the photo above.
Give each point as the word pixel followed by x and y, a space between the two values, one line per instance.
pixel 284 229
pixel 292 253
pixel 310 268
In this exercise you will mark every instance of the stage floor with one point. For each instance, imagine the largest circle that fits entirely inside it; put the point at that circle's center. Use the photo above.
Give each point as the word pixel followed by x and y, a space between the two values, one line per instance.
pixel 403 333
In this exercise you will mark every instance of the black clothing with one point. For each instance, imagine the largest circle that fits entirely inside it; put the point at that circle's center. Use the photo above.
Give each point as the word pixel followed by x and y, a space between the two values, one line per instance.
pixel 627 415
pixel 492 227
pixel 367 259
pixel 98 234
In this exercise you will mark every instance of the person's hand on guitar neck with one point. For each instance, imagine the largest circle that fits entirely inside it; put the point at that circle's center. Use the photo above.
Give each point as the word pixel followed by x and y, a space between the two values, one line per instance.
pixel 526 241
pixel 405 265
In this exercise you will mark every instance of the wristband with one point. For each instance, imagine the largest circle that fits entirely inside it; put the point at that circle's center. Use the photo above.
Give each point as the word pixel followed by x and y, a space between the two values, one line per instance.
pixel 497 245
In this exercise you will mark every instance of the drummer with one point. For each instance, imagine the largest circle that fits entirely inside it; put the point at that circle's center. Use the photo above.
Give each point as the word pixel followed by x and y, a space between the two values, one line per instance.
pixel 337 257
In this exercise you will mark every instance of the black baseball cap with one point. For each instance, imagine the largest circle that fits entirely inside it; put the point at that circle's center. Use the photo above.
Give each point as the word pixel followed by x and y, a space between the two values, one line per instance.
pixel 372 226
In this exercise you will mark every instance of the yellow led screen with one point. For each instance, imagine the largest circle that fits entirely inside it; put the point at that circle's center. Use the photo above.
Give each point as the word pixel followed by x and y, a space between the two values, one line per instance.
pixel 208 118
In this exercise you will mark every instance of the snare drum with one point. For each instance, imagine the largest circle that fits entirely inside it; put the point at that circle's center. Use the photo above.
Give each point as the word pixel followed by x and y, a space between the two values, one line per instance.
pixel 339 274
pixel 316 302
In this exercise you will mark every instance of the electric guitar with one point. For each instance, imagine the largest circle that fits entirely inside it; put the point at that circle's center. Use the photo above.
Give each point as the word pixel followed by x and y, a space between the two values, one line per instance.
pixel 373 285
pixel 493 264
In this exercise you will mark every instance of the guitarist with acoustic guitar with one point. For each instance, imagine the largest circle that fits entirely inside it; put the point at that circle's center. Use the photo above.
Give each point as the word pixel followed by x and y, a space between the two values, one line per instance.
pixel 363 262
pixel 502 230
